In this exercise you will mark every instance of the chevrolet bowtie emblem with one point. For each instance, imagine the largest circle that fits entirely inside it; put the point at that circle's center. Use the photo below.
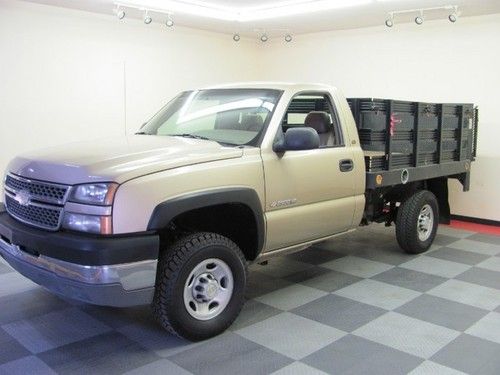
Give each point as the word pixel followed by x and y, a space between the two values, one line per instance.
pixel 23 197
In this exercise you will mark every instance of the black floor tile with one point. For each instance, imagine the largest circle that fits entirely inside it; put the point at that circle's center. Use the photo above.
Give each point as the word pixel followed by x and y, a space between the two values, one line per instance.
pixel 110 353
pixel 230 354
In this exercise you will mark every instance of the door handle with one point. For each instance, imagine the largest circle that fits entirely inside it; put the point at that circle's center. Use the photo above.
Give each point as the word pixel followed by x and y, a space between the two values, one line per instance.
pixel 346 165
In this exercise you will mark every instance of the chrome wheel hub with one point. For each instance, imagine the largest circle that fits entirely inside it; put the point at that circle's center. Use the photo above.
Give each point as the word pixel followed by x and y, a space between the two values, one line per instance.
pixel 205 287
pixel 425 223
pixel 208 289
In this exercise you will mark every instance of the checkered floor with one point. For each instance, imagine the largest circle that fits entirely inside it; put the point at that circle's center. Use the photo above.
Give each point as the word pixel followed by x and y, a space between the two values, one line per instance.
pixel 354 305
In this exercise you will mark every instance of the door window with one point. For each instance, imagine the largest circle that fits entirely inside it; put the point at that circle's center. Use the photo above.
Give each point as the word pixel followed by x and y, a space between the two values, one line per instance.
pixel 314 110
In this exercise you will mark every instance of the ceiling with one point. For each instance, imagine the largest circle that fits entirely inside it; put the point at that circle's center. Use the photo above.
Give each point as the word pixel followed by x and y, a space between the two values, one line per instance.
pixel 372 13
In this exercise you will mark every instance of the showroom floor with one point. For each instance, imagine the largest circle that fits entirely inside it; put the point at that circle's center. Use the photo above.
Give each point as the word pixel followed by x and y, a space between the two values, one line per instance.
pixel 354 305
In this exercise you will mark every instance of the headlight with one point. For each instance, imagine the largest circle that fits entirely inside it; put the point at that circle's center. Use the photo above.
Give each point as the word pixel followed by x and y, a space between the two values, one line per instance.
pixel 100 194
pixel 88 223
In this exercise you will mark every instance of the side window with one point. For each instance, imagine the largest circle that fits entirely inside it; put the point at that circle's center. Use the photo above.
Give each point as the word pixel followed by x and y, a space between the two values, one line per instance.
pixel 314 110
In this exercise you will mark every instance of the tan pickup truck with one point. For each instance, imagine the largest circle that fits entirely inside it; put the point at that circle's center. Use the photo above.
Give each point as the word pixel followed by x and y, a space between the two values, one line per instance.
pixel 221 177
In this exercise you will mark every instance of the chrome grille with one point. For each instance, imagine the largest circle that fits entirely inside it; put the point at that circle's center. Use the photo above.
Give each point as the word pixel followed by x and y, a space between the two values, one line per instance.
pixel 35 202
pixel 43 191
pixel 46 217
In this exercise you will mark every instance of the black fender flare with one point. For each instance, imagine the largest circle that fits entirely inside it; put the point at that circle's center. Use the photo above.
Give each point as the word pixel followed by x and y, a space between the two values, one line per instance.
pixel 166 211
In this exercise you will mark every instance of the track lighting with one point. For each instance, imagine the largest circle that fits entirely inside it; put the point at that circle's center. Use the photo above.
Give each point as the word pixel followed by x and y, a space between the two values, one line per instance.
pixel 236 37
pixel 169 22
pixel 420 19
pixel 264 38
pixel 120 14
pixel 288 38
pixel 147 19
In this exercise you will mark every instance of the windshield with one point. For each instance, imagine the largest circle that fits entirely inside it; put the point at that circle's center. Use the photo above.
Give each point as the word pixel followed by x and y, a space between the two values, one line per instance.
pixel 230 116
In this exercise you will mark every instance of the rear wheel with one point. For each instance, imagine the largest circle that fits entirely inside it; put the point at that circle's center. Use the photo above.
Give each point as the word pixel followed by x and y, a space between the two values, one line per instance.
pixel 200 286
pixel 417 221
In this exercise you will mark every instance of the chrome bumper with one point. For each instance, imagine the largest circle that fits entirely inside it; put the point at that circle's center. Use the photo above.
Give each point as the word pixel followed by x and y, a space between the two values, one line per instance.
pixel 119 285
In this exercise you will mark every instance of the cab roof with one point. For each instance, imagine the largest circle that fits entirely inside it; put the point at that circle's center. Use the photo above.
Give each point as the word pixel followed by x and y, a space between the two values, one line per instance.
pixel 284 86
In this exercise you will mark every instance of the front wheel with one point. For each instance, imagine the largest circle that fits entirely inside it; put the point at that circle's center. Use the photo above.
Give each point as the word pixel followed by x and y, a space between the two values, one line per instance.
pixel 200 286
pixel 417 222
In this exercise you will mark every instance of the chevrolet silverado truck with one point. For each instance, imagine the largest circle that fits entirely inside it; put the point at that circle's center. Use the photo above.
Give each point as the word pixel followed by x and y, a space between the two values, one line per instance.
pixel 222 177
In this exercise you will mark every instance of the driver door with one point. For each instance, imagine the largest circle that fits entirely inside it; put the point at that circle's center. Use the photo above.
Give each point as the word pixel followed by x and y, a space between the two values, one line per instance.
pixel 310 193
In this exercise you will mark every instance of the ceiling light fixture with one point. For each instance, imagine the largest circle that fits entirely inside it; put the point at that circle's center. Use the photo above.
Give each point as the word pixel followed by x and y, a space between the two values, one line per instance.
pixel 236 37
pixel 288 38
pixel 169 22
pixel 453 17
pixel 264 38
pixel 277 9
pixel 389 22
pixel 419 19
pixel 120 13
pixel 147 18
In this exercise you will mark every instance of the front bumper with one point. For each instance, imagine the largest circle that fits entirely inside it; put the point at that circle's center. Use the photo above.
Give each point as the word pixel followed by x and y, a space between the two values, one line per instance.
pixel 122 283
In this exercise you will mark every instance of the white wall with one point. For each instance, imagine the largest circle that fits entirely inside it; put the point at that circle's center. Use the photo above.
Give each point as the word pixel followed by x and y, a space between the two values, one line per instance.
pixel 69 75
pixel 436 62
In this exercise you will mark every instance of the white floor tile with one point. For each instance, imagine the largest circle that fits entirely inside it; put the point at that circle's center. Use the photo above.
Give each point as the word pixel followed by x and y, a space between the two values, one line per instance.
pixel 298 368
pixel 476 247
pixel 487 328
pixel 291 335
pixel 492 264
pixel 378 294
pixel 407 334
pixel 470 294
pixel 357 266
pixel 435 266
pixel 291 297
pixel 433 368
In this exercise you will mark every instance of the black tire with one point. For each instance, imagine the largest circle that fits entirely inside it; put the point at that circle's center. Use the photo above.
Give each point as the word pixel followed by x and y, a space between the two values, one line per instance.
pixel 407 220
pixel 175 265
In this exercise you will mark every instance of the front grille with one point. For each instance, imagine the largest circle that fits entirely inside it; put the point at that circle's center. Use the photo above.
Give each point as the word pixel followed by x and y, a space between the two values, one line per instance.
pixel 38 190
pixel 46 217
pixel 35 202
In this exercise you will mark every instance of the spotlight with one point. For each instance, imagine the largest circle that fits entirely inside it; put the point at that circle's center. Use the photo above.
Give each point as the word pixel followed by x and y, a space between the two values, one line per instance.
pixel 453 17
pixel 419 20
pixel 147 19
pixel 264 38
pixel 236 37
pixel 169 22
pixel 389 22
pixel 288 38
pixel 120 14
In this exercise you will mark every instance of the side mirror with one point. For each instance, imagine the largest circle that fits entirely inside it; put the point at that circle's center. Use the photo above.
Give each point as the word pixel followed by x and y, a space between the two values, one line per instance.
pixel 296 139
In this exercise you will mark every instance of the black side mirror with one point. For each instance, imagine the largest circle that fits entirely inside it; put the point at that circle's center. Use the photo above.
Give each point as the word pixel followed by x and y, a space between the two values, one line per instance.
pixel 296 139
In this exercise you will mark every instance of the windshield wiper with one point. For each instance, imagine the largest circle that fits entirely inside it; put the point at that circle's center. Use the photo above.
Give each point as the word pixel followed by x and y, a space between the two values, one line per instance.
pixel 188 135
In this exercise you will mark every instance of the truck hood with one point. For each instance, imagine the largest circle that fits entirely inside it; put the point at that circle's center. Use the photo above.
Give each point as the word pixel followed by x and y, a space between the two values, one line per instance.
pixel 118 159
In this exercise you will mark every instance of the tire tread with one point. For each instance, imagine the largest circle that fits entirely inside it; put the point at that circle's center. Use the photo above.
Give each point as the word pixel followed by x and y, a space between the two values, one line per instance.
pixel 170 265
pixel 406 229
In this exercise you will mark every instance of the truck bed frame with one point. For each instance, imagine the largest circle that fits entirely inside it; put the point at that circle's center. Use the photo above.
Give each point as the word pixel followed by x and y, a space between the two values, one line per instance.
pixel 406 141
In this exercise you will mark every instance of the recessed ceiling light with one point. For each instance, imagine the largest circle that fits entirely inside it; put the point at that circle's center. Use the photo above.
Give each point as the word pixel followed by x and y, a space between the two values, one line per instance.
pixel 419 20
pixel 120 14
pixel 453 17
pixel 389 22
pixel 288 38
pixel 236 37
pixel 147 20
pixel 169 22
pixel 264 38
